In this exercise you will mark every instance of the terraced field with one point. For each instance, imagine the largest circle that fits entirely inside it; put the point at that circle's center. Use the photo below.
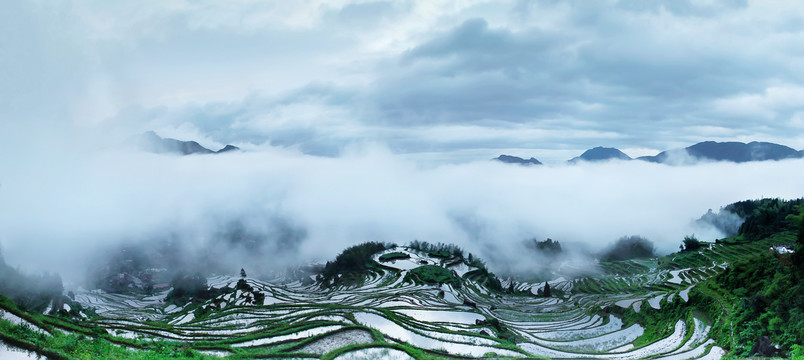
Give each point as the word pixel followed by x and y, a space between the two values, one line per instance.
pixel 393 315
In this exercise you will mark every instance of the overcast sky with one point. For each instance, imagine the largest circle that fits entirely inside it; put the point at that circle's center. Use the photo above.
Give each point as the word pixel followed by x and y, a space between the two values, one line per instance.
pixel 436 80
pixel 375 120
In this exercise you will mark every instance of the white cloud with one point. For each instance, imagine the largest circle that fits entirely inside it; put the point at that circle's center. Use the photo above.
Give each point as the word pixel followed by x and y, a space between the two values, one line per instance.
pixel 765 105
pixel 637 152
pixel 641 73
pixel 54 214
pixel 439 82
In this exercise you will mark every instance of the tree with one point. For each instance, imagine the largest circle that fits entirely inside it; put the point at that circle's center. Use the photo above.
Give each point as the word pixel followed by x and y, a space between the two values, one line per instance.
pixel 548 246
pixel 767 216
pixel 259 298
pixel 798 257
pixel 242 273
pixel 355 260
pixel 243 285
pixel 547 289
pixel 691 243
pixel 186 287
pixel 629 247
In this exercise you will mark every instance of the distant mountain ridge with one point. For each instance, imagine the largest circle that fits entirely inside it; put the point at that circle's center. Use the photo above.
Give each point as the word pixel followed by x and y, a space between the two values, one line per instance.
pixel 508 159
pixel 600 154
pixel 732 151
pixel 151 142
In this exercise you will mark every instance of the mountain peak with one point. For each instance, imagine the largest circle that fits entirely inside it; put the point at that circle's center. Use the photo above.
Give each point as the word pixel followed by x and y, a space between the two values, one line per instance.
pixel 509 159
pixel 600 154
pixel 151 142
pixel 732 151
pixel 228 148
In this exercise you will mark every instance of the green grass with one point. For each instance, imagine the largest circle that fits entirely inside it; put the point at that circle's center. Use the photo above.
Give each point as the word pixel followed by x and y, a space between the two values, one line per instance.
pixel 658 324
pixel 59 345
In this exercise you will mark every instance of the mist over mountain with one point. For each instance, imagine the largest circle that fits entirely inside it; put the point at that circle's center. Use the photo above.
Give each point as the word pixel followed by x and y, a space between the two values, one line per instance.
pixel 600 154
pixel 732 151
pixel 151 142
pixel 339 180
pixel 725 221
pixel 235 210
pixel 228 148
pixel 508 159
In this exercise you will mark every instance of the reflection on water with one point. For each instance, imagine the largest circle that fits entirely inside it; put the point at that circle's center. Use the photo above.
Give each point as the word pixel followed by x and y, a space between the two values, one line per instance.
pixel 8 352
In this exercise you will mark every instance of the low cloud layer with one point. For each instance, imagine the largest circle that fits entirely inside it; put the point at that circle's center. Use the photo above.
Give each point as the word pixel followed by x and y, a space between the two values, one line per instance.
pixel 303 208
pixel 533 78
pixel 374 121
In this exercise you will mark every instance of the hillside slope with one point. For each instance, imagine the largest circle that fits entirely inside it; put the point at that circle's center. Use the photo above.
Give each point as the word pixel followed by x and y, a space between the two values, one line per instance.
pixel 426 301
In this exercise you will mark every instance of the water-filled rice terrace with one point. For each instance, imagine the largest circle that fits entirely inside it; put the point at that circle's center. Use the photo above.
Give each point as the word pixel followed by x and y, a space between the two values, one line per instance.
pixel 392 315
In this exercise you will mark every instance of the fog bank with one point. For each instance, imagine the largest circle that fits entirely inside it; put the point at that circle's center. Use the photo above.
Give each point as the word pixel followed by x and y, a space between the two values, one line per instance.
pixel 284 207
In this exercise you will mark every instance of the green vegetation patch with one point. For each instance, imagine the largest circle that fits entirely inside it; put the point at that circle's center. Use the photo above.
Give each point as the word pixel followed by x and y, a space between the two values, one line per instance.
pixel 629 247
pixel 691 243
pixel 433 275
pixel 188 288
pixel 439 250
pixel 441 254
pixel 59 345
pixel 767 298
pixel 549 246
pixel 394 256
pixel 352 265
pixel 761 292
pixel 32 292
pixel 766 216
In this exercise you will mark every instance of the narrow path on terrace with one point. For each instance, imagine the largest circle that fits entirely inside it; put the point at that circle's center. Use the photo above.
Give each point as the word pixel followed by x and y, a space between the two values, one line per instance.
pixel 731 323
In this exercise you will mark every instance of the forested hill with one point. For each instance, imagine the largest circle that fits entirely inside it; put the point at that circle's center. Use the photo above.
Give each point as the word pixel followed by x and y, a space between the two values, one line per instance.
pixel 763 293
pixel 734 298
